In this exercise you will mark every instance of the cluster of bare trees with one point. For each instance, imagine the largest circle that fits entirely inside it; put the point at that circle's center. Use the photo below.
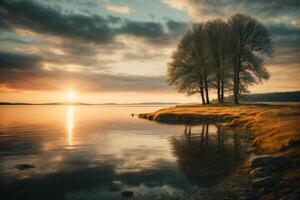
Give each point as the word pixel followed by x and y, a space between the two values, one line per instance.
pixel 222 56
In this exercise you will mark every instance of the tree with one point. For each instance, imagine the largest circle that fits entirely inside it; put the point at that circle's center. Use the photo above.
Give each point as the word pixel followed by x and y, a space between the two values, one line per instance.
pixel 212 54
pixel 250 41
pixel 217 44
pixel 187 70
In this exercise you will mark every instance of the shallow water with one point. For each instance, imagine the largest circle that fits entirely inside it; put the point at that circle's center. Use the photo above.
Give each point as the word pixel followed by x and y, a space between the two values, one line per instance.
pixel 96 152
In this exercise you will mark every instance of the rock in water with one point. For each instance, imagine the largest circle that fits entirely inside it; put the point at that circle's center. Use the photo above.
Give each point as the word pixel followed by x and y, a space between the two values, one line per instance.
pixel 260 172
pixel 272 161
pixel 24 166
pixel 264 182
pixel 127 194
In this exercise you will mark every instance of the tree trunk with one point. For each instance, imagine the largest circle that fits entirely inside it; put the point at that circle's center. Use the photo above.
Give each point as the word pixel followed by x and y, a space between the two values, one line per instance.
pixel 222 88
pixel 219 85
pixel 202 91
pixel 235 98
pixel 202 96
pixel 236 84
pixel 206 89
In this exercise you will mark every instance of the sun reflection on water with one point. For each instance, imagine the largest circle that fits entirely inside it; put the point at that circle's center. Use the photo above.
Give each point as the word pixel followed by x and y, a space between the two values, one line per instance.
pixel 70 124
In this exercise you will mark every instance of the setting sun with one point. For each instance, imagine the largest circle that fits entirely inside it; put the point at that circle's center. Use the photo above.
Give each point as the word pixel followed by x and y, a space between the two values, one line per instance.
pixel 71 94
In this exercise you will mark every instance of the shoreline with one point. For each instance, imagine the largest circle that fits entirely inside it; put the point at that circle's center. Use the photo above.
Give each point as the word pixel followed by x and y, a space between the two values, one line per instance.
pixel 274 133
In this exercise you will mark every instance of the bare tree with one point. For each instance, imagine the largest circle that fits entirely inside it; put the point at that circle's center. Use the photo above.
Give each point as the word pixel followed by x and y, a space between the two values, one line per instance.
pixel 217 44
pixel 249 41
pixel 211 54
pixel 187 69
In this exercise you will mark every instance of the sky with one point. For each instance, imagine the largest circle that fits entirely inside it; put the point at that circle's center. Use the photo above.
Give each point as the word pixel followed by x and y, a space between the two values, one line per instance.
pixel 118 50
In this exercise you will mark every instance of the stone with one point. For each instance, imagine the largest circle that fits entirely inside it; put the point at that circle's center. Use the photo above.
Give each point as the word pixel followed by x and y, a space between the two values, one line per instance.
pixel 260 172
pixel 264 190
pixel 293 196
pixel 285 191
pixel 268 181
pixel 127 194
pixel 270 161
pixel 24 166
pixel 284 184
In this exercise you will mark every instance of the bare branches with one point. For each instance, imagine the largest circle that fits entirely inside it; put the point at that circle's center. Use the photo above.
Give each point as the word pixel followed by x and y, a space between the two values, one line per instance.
pixel 221 55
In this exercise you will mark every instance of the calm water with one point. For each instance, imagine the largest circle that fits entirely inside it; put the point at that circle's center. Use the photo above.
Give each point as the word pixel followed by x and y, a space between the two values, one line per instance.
pixel 96 152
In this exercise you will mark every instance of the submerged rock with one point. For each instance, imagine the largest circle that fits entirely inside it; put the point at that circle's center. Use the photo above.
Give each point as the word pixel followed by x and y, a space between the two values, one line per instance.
pixel 270 161
pixel 260 172
pixel 127 194
pixel 24 166
pixel 264 182
pixel 283 186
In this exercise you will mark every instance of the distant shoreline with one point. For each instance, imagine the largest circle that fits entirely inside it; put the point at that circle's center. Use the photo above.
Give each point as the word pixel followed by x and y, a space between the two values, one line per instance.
pixel 88 104
pixel 292 96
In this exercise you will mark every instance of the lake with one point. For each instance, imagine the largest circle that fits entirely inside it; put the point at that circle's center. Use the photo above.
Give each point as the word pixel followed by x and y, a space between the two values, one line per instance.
pixel 98 152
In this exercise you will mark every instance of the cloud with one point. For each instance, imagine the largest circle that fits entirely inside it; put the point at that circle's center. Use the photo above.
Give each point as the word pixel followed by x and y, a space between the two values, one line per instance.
pixel 143 54
pixel 51 46
pixel 280 17
pixel 118 9
pixel 24 72
pixel 44 19
pixel 286 38
pixel 270 10
pixel 11 61
pixel 48 20
pixel 97 82
pixel 76 49
pixel 285 34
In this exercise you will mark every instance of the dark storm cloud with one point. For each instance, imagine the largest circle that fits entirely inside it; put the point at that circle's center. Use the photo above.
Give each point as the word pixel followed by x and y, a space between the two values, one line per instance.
pixel 15 61
pixel 176 26
pixel 142 29
pixel 285 34
pixel 92 28
pixel 286 38
pixel 274 8
pixel 48 20
pixel 24 72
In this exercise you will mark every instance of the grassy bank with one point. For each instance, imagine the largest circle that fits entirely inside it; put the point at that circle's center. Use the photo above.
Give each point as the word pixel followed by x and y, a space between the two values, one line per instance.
pixel 275 127
pixel 274 130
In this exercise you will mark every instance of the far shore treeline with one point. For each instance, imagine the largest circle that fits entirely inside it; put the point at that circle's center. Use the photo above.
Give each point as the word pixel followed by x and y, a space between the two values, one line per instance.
pixel 226 56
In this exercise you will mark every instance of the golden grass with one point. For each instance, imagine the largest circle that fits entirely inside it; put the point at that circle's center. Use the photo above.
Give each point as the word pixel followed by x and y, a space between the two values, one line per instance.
pixel 275 126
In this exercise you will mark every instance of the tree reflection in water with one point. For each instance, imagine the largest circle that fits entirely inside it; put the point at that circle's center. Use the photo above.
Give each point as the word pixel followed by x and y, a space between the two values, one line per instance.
pixel 205 156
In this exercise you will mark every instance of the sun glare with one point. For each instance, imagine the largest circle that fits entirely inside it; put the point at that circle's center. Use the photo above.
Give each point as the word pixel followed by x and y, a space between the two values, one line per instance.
pixel 70 124
pixel 71 94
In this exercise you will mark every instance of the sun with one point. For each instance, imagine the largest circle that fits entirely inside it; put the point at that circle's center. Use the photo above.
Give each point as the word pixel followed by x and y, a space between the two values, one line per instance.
pixel 71 94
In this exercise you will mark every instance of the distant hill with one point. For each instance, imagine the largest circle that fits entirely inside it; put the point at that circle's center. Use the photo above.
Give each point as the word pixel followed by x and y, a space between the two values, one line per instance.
pixel 270 97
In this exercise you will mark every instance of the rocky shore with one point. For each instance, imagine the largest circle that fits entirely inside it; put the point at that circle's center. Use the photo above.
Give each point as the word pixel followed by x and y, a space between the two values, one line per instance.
pixel 274 170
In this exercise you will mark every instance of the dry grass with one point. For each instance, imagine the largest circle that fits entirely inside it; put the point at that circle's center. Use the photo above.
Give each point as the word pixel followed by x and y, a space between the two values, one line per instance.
pixel 276 126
